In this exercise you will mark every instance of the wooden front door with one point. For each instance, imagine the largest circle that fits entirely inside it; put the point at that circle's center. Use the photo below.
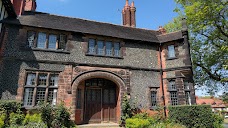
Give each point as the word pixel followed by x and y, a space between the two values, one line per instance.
pixel 100 101
pixel 93 105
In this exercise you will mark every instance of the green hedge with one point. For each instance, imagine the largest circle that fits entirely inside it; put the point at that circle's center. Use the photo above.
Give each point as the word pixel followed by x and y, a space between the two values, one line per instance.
pixel 195 116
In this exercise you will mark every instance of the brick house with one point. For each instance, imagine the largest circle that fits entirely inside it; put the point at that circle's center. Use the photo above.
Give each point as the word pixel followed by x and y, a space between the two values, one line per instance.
pixel 90 66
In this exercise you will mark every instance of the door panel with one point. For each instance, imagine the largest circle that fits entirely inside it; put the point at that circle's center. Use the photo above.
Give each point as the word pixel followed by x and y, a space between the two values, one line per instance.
pixel 93 105
pixel 109 104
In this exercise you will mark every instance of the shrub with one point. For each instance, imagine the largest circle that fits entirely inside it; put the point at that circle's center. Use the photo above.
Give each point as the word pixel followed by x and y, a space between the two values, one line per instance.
pixel 126 109
pixel 46 114
pixel 61 117
pixel 2 118
pixel 16 118
pixel 137 123
pixel 195 116
pixel 7 107
pixel 35 118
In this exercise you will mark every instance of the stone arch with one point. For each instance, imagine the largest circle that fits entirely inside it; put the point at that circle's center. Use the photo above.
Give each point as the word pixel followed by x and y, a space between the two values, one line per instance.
pixel 99 74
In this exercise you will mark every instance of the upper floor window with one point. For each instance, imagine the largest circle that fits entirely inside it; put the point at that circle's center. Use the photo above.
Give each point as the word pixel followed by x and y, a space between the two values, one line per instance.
pixel 172 86
pixel 40 87
pixel 104 48
pixel 44 40
pixel 171 51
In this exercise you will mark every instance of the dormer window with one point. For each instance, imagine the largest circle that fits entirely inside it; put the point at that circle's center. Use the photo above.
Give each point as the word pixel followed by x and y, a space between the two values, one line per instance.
pixel 171 51
pixel 43 40
pixel 103 48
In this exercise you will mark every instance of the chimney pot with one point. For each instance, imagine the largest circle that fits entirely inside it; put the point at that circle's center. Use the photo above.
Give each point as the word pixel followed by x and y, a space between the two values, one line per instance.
pixel 162 30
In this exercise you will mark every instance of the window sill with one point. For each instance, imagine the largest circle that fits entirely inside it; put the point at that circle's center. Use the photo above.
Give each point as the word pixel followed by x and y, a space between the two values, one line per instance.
pixel 95 55
pixel 47 50
pixel 171 58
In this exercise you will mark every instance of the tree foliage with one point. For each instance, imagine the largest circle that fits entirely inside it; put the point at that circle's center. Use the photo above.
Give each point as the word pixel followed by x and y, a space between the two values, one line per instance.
pixel 208 30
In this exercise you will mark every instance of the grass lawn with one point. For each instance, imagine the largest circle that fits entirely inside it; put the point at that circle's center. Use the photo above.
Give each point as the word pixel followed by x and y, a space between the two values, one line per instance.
pixel 226 121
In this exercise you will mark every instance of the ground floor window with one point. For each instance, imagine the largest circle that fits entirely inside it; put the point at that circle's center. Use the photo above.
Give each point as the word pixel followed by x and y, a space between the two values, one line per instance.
pixel 173 97
pixel 40 87
pixel 153 97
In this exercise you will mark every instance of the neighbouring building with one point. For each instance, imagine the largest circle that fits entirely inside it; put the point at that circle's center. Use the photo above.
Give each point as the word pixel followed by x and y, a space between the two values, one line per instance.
pixel 90 66
pixel 215 103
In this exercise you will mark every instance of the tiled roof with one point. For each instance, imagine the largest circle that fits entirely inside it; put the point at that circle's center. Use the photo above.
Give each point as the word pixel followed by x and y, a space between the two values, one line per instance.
pixel 44 20
pixel 214 102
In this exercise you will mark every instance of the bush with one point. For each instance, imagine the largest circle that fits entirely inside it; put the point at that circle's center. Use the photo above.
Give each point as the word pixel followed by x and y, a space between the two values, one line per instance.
pixel 35 118
pixel 2 118
pixel 137 123
pixel 126 109
pixel 58 117
pixel 16 118
pixel 195 116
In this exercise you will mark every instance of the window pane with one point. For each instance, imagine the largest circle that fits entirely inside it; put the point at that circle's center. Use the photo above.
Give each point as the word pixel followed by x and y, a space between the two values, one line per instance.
pixel 116 49
pixel 186 85
pixel 41 40
pixel 173 96
pixel 91 46
pixel 53 80
pixel 31 38
pixel 28 96
pixel 153 98
pixel 100 45
pixel 108 48
pixel 172 85
pixel 62 42
pixel 188 98
pixel 31 79
pixel 171 51
pixel 52 42
pixel 79 93
pixel 40 96
pixel 42 79
pixel 52 96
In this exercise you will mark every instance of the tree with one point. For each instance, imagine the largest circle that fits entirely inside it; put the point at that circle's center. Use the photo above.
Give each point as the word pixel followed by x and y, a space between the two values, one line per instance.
pixel 225 97
pixel 208 31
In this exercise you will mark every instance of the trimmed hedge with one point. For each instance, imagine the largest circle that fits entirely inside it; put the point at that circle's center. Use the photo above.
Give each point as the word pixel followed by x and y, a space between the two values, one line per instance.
pixel 195 116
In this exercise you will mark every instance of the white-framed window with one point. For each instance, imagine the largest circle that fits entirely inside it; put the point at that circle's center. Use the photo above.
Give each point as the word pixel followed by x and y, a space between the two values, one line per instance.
pixel 40 87
pixel 171 51
pixel 103 48
pixel 43 40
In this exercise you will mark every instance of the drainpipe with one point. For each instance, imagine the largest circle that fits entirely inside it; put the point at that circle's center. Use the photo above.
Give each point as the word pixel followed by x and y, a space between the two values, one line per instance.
pixel 161 73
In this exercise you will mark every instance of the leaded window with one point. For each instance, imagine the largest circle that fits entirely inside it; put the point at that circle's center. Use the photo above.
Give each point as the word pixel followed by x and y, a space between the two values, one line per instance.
pixel 153 98
pixel 40 87
pixel 188 98
pixel 172 85
pixel 174 98
pixel 44 40
pixel 103 48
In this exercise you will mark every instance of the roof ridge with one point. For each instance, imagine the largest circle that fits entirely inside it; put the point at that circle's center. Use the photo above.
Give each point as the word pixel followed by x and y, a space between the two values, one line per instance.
pixel 36 12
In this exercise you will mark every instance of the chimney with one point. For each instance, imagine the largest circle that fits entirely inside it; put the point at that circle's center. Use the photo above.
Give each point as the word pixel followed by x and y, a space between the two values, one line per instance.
pixel 30 5
pixel 133 10
pixel 162 30
pixel 23 5
pixel 128 14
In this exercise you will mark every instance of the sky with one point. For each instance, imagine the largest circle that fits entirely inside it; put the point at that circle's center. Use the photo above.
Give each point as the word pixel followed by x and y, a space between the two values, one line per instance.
pixel 150 14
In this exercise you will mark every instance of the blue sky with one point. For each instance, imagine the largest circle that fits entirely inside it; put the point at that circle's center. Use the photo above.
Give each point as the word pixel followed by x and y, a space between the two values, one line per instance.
pixel 149 13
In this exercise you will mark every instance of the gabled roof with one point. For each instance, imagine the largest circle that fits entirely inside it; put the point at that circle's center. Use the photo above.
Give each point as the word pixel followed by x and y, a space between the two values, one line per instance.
pixel 9 8
pixel 45 20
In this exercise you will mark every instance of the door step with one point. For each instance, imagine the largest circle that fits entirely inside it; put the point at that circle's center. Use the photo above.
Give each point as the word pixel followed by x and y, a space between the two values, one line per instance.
pixel 101 125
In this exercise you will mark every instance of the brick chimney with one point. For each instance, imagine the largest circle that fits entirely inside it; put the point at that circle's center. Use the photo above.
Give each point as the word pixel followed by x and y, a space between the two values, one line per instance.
pixel 23 5
pixel 162 30
pixel 128 14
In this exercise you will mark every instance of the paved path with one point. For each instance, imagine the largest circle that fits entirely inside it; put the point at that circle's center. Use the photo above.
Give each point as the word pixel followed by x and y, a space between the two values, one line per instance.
pixel 225 125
